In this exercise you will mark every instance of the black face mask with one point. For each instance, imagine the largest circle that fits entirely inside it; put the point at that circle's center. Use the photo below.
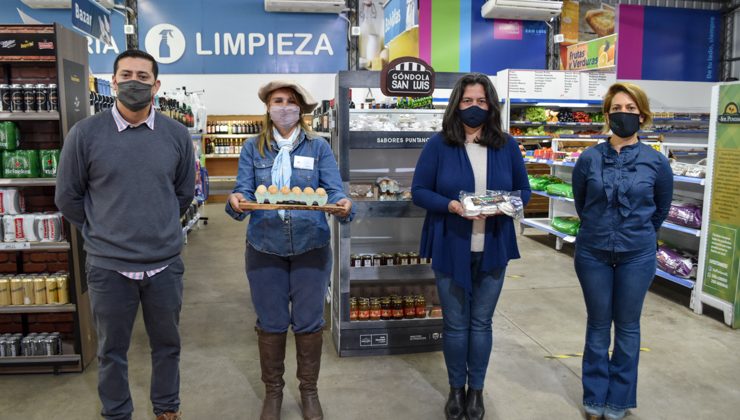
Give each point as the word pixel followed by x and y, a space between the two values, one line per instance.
pixel 474 116
pixel 134 94
pixel 624 124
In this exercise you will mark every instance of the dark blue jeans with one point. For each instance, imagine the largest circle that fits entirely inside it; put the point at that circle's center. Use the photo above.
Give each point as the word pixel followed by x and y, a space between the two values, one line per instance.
pixel 289 291
pixel 614 287
pixel 468 332
pixel 115 300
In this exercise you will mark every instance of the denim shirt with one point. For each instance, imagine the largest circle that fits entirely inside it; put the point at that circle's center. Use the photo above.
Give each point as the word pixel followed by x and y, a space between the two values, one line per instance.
pixel 622 198
pixel 302 230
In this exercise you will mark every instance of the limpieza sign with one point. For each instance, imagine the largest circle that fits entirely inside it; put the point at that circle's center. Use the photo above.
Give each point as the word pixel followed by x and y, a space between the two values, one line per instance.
pixel 407 76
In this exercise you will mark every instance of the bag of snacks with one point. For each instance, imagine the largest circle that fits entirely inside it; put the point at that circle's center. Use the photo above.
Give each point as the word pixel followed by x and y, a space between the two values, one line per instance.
pixel 493 203
pixel 568 225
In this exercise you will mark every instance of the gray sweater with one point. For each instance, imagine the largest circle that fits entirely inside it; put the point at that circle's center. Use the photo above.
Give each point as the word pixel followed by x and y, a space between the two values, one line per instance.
pixel 126 191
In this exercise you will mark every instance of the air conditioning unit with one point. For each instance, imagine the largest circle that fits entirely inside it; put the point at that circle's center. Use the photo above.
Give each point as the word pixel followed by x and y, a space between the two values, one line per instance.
pixel 305 6
pixel 521 9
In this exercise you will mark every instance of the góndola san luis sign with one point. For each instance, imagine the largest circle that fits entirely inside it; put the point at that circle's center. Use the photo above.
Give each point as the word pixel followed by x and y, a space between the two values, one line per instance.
pixel 407 76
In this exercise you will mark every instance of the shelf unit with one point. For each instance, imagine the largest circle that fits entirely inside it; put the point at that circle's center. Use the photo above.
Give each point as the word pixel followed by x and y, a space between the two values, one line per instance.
pixel 380 226
pixel 68 68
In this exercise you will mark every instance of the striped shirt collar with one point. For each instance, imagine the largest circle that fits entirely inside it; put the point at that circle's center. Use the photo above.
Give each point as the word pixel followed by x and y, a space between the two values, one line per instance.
pixel 122 124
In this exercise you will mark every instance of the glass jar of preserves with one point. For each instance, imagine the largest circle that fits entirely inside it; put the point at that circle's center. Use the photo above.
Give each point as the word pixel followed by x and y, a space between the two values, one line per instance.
pixel 355 260
pixel 375 309
pixel 364 309
pixel 403 258
pixel 420 303
pixel 409 307
pixel 377 260
pixel 413 258
pixel 397 307
pixel 387 259
pixel 354 310
pixel 385 308
pixel 367 260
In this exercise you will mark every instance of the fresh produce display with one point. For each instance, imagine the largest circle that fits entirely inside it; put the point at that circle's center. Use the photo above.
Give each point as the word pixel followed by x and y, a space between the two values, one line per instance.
pixel 552 116
pixel 561 190
pixel 597 117
pixel 581 117
pixel 535 113
pixel 516 131
pixel 568 225
pixel 565 115
pixel 535 131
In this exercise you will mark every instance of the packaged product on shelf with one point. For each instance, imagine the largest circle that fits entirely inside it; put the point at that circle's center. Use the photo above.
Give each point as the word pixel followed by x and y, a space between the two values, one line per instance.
pixel 568 225
pixel 16 291
pixel 62 287
pixel 493 203
pixel 4 97
pixel 12 224
pixel 52 290
pixel 49 161
pixel 5 298
pixel 29 231
pixel 540 182
pixel 561 190
pixel 676 262
pixel 362 192
pixel 9 135
pixel 39 291
pixel 685 214
pixel 435 312
pixel 21 164
pixel 11 201
pixel 48 227
pixel 28 291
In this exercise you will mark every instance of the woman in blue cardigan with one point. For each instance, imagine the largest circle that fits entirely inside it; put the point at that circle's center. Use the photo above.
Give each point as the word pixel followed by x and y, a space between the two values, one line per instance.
pixel 469 254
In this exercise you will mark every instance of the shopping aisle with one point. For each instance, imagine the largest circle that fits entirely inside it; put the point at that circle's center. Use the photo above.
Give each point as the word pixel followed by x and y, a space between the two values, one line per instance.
pixel 690 372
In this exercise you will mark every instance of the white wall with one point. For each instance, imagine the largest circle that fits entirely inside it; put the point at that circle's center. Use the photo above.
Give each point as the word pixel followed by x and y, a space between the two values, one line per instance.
pixel 236 94
pixel 676 96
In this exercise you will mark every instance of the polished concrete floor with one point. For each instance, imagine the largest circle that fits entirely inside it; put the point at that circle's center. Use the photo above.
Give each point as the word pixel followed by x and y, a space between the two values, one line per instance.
pixel 689 370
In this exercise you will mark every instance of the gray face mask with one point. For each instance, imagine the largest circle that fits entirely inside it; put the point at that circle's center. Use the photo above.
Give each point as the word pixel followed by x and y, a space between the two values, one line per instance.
pixel 134 94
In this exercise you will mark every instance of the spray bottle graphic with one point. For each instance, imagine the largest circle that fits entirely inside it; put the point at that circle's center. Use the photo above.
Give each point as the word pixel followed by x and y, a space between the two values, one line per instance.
pixel 164 44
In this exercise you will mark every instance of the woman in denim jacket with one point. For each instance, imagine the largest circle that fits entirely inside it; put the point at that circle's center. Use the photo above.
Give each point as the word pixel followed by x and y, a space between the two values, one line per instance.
pixel 622 190
pixel 288 257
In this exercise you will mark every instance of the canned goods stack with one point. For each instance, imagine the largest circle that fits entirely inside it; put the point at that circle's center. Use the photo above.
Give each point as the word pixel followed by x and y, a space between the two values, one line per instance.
pixel 33 227
pixel 34 344
pixel 9 135
pixel 29 97
pixel 381 259
pixel 11 201
pixel 34 289
pixel 392 307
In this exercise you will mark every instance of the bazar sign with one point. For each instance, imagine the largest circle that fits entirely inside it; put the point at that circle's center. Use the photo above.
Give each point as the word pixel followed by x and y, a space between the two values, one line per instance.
pixel 91 18
pixel 398 17
pixel 407 76
pixel 594 54
pixel 211 38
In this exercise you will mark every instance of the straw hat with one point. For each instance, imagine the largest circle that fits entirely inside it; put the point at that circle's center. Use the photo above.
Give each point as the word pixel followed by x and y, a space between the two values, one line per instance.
pixel 308 100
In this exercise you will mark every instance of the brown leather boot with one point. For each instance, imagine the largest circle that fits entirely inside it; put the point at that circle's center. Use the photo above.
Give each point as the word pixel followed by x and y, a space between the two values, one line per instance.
pixel 308 355
pixel 272 357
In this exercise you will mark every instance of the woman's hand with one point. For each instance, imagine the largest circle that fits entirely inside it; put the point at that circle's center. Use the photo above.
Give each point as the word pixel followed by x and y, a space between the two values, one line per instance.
pixel 456 207
pixel 346 208
pixel 234 200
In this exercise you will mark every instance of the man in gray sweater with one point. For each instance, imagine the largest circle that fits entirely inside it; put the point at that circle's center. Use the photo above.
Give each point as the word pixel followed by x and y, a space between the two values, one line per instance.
pixel 125 177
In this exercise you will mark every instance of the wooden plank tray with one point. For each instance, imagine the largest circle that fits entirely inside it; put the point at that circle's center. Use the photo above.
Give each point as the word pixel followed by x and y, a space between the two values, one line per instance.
pixel 251 205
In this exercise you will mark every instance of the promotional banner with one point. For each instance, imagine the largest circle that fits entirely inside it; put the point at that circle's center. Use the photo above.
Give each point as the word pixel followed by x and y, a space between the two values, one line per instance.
pixel 371 42
pixel 399 16
pixel 594 54
pixel 101 55
pixel 584 20
pixel 91 18
pixel 238 36
pixel 453 36
pixel 722 267
pixel 665 43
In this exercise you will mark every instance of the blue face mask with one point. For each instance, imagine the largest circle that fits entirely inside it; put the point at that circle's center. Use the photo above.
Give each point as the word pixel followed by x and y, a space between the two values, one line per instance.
pixel 474 116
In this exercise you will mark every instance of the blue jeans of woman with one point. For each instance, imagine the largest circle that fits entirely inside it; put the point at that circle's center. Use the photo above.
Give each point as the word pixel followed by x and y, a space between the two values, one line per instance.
pixel 614 287
pixel 468 320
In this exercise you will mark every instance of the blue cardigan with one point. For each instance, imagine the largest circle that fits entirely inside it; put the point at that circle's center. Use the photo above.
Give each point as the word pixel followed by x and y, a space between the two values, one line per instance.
pixel 441 173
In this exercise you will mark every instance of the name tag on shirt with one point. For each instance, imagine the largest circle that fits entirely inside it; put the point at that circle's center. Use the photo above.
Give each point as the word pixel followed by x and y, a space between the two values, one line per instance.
pixel 303 162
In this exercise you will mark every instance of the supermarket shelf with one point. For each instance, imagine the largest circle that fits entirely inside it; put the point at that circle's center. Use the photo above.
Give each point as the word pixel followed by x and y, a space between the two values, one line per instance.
pixel 673 132
pixel 532 137
pixel 559 102
pixel 29 116
pixel 684 229
pixel 558 124
pixel 389 139
pixel 191 223
pixel 229 136
pixel 394 273
pixel 678 280
pixel 226 178
pixel 387 209
pixel 395 323
pixel 544 225
pixel 681 120
pixel 550 162
pixel 34 246
pixel 396 111
pixel 38 309
pixel 681 153
pixel 584 136
pixel 553 197
pixel 28 182
pixel 64 359
pixel 689 179
pixel 222 156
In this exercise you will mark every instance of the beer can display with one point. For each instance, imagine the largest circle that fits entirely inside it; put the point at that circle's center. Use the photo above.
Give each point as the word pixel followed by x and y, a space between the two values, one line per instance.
pixel 5 97
pixel 16 98
pixel 42 97
pixel 52 289
pixel 28 291
pixel 9 135
pixel 11 201
pixel 49 162
pixel 16 291
pixel 53 98
pixel 62 288
pixel 39 291
pixel 5 298
pixel 21 164
pixel 29 97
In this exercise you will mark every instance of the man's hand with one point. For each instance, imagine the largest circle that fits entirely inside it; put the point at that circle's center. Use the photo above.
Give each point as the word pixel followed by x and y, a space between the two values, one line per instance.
pixel 234 200
pixel 457 208
pixel 346 207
